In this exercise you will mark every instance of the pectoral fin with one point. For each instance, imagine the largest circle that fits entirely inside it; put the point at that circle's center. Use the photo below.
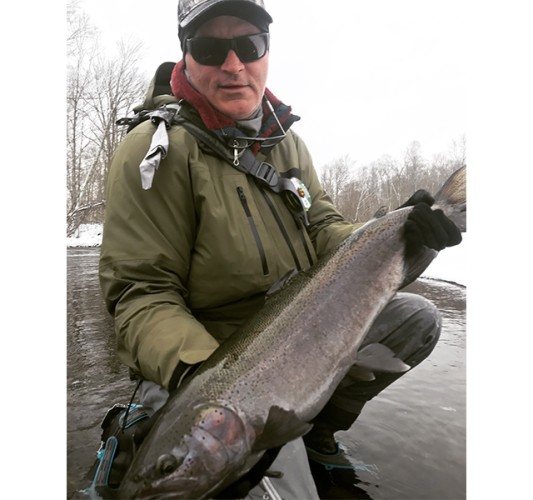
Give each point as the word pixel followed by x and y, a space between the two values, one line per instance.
pixel 379 358
pixel 281 427
pixel 363 374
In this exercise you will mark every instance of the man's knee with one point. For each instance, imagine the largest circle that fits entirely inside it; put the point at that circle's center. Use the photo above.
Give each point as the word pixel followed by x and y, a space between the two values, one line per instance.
pixel 410 325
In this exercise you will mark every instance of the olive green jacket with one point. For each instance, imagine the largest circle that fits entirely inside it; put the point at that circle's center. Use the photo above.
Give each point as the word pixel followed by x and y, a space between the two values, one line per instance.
pixel 187 262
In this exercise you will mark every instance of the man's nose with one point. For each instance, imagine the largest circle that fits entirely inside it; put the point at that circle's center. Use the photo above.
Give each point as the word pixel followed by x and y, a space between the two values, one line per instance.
pixel 232 64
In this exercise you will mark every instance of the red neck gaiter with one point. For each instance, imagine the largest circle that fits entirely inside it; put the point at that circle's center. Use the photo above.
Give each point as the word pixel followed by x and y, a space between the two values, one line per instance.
pixel 214 119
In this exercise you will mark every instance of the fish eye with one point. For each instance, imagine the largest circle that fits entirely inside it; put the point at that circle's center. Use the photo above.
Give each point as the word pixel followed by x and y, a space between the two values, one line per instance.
pixel 166 464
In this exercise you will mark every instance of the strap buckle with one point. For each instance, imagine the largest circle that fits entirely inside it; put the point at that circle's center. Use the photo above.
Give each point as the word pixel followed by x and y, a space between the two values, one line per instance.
pixel 163 113
pixel 265 172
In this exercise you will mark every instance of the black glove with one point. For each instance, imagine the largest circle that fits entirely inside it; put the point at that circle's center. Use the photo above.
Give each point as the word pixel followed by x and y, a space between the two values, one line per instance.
pixel 420 196
pixel 241 487
pixel 430 228
pixel 120 441
pixel 129 441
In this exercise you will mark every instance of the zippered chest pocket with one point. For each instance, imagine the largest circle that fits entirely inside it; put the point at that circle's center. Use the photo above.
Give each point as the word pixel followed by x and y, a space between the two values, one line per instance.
pixel 253 228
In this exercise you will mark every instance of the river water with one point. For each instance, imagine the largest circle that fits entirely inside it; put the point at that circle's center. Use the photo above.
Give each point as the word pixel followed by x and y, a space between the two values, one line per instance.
pixel 410 440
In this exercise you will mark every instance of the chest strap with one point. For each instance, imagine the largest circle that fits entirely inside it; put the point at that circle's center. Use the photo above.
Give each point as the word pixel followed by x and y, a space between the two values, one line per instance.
pixel 292 189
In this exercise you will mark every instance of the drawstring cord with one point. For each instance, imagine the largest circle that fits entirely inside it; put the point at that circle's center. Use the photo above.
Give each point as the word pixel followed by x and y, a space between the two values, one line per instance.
pixel 124 421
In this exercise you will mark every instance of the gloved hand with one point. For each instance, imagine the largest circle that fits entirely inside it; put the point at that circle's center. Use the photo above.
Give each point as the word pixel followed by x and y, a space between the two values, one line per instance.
pixel 129 441
pixel 420 196
pixel 241 487
pixel 430 228
pixel 120 443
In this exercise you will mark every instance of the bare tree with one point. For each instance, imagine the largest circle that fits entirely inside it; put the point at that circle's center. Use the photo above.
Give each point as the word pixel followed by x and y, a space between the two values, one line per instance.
pixel 81 47
pixel 458 152
pixel 356 197
pixel 414 172
pixel 117 87
pixel 99 91
pixel 335 177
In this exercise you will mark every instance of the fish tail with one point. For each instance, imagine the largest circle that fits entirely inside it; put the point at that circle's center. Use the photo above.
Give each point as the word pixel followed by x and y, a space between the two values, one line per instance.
pixel 451 198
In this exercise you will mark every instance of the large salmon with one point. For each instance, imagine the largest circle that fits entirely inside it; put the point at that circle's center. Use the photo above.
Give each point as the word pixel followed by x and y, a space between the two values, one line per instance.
pixel 264 385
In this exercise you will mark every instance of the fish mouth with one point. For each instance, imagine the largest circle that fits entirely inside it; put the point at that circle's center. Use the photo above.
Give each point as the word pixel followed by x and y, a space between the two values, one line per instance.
pixel 167 491
pixel 184 488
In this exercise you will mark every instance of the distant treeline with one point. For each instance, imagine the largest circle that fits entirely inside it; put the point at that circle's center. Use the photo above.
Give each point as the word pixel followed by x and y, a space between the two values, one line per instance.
pixel 359 192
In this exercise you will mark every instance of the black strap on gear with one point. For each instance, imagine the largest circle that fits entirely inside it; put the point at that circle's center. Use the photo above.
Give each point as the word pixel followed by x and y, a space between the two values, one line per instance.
pixel 165 112
pixel 264 173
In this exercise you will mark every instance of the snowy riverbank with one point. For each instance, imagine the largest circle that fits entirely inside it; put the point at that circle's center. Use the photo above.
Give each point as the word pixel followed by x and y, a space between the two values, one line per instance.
pixel 87 235
pixel 450 265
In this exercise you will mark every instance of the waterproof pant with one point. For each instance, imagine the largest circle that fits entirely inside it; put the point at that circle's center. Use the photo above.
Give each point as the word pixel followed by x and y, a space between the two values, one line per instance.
pixel 409 325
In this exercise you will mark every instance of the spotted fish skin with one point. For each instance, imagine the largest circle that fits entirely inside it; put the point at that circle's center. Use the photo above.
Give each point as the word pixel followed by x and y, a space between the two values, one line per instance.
pixel 264 385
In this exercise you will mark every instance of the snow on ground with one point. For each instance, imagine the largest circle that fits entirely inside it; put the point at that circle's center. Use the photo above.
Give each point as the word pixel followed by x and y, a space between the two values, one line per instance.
pixel 450 264
pixel 87 235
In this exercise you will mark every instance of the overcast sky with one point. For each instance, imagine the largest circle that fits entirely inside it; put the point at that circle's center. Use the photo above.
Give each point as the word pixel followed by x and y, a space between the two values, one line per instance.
pixel 367 77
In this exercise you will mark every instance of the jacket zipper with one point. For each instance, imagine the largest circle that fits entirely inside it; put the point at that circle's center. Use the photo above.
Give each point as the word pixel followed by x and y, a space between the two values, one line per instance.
pixel 253 227
pixel 286 235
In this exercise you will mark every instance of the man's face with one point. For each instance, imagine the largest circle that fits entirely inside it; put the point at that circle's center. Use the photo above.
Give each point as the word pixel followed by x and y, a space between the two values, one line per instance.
pixel 234 88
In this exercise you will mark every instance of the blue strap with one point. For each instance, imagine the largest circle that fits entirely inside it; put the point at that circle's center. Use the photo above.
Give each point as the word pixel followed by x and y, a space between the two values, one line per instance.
pixel 106 457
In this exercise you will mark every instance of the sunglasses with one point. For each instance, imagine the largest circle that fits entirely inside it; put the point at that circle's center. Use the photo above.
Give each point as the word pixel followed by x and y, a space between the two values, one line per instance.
pixel 213 51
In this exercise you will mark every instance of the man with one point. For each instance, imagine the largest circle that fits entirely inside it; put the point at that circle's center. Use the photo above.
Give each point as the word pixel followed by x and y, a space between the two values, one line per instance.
pixel 192 242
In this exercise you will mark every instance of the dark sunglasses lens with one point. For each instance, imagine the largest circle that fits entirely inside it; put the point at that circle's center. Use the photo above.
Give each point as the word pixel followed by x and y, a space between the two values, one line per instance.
pixel 213 51
pixel 251 48
pixel 207 51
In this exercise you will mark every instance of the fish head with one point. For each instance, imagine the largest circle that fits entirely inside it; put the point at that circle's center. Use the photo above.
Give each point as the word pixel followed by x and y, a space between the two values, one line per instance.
pixel 211 455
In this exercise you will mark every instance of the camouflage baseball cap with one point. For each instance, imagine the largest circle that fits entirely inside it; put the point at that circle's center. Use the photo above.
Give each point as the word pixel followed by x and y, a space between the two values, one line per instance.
pixel 190 11
pixel 193 13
